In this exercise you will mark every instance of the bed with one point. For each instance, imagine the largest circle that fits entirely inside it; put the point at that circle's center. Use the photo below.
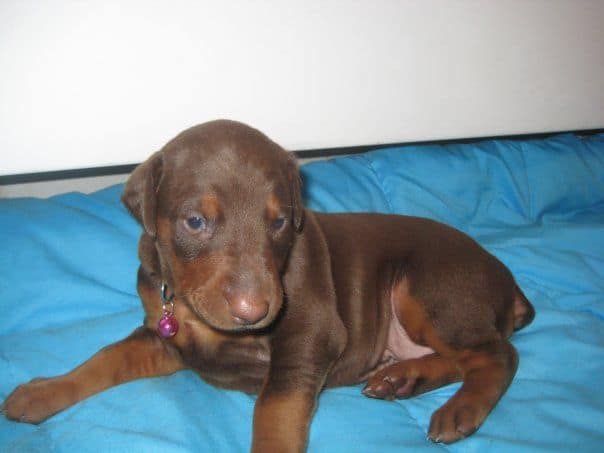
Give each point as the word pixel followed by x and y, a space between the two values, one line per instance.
pixel 67 288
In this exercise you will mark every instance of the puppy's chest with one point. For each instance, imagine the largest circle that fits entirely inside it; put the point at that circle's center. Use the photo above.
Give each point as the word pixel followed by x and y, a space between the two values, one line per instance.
pixel 237 362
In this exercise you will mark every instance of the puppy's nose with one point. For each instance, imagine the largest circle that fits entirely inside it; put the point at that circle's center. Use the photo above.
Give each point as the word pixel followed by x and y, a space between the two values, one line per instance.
pixel 245 310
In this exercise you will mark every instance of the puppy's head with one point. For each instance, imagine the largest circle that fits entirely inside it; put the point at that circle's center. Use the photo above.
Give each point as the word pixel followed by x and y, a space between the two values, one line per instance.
pixel 222 202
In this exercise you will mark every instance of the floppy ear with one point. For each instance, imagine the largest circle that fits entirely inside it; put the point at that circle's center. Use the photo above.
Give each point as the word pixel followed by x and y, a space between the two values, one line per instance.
pixel 295 183
pixel 140 191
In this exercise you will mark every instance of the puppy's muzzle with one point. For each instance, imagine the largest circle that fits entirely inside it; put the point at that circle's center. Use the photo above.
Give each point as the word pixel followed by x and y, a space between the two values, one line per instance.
pixel 246 304
pixel 246 309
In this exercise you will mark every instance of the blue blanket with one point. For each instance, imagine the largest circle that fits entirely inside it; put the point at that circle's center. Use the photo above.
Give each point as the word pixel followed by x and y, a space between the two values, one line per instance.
pixel 67 288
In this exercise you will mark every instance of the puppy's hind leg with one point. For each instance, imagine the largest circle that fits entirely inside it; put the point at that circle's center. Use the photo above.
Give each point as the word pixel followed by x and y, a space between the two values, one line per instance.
pixel 142 354
pixel 486 363
pixel 487 372
pixel 412 377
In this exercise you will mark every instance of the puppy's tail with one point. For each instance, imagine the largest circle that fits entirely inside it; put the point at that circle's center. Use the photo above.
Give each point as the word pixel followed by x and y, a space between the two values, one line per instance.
pixel 524 312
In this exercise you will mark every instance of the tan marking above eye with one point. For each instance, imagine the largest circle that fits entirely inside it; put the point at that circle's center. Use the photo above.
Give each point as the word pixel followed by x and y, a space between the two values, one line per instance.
pixel 209 206
pixel 273 208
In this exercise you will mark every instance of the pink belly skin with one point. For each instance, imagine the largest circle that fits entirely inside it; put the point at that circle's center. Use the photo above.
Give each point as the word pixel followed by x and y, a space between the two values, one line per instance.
pixel 399 346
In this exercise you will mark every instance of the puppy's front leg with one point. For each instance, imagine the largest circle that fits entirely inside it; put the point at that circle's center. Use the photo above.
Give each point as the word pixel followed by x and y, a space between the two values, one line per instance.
pixel 286 403
pixel 142 354
pixel 282 420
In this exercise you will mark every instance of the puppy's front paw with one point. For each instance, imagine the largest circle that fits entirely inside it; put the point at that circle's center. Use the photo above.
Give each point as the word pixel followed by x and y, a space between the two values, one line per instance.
pixel 35 401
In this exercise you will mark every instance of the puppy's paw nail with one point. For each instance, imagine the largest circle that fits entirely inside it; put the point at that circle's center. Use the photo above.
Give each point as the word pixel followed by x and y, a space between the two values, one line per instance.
pixel 368 391
pixel 376 391
pixel 436 440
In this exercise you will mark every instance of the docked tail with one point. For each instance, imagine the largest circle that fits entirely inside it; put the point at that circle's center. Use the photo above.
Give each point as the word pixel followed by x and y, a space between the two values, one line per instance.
pixel 524 313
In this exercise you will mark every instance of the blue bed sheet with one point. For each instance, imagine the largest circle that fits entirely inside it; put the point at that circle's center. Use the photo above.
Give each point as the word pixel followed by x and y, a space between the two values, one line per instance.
pixel 67 288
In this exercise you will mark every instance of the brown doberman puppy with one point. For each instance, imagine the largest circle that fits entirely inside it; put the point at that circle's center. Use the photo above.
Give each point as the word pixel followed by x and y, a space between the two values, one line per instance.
pixel 244 285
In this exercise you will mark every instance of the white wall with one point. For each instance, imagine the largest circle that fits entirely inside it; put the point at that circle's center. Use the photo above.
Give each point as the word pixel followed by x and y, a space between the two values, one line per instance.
pixel 89 83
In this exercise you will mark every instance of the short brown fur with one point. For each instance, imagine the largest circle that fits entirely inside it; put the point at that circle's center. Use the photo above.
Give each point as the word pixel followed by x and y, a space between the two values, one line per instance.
pixel 278 300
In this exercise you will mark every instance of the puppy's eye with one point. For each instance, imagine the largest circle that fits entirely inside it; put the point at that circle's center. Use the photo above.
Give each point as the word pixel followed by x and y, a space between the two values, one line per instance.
pixel 196 224
pixel 278 223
